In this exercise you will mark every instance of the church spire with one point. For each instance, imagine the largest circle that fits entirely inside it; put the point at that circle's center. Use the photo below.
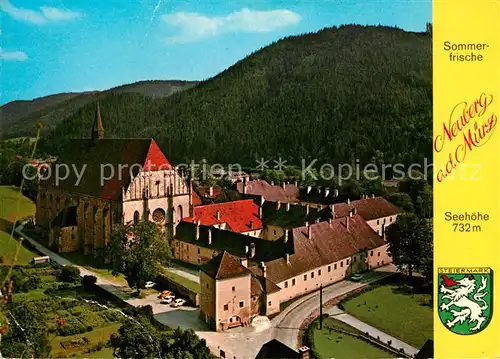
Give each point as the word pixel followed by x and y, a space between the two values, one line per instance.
pixel 97 129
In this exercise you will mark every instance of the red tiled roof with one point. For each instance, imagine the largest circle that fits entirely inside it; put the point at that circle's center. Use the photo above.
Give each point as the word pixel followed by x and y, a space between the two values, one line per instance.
pixel 224 266
pixel 260 285
pixel 330 242
pixel 369 208
pixel 196 199
pixel 155 159
pixel 240 216
pixel 271 193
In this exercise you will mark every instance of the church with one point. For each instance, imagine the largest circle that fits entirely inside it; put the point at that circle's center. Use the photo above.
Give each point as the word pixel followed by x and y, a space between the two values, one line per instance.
pixel 108 182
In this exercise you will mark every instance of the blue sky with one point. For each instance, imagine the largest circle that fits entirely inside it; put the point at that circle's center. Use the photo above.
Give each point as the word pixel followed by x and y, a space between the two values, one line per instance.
pixel 52 46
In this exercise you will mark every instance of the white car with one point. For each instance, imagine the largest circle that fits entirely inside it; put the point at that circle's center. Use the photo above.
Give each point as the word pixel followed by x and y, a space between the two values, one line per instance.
pixel 167 300
pixel 178 302
pixel 150 284
pixel 356 277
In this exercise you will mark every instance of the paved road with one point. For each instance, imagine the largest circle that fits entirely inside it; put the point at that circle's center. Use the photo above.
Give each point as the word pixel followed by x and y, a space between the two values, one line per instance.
pixel 338 314
pixel 288 322
pixel 188 274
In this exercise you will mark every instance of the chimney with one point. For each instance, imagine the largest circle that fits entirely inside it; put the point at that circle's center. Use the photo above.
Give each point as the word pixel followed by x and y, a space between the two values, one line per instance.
pixel 272 183
pixel 306 224
pixel 354 211
pixel 209 236
pixel 332 210
pixel 327 192
pixel 283 185
pixel 330 220
pixel 287 207
pixel 246 250
pixel 245 187
pixel 317 220
pixel 244 262
pixel 348 201
pixel 287 257
pixel 211 191
pixel 217 214
pixel 264 270
pixel 286 235
pixel 335 193
pixel 309 188
pixel 278 205
pixel 260 212
pixel 347 223
pixel 309 232
pixel 307 209
pixel 197 230
pixel 350 213
pixel 252 250
pixel 373 196
pixel 383 230
pixel 262 200
pixel 305 352
pixel 296 184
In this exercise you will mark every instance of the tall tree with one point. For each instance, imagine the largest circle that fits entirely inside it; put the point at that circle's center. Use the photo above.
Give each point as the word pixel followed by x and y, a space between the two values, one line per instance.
pixel 137 251
pixel 410 243
pixel 135 340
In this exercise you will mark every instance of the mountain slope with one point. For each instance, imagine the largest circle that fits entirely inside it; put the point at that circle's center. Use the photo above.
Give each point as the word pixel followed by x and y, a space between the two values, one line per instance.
pixel 338 95
pixel 18 117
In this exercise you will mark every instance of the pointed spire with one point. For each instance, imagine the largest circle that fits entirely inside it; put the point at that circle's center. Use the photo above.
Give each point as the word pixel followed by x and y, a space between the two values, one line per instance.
pixel 97 129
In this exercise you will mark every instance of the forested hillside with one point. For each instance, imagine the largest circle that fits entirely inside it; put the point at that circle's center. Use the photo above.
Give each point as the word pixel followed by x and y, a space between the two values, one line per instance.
pixel 341 94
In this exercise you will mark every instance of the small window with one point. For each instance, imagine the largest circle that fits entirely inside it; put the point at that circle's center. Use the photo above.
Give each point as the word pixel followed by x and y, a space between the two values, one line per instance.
pixel 274 231
pixel 329 269
pixel 254 299
pixel 286 284
pixel 305 277
pixel 293 281
pixel 207 285
pixel 226 306
pixel 347 262
pixel 371 253
pixel 269 304
pixel 312 274
pixel 198 250
pixel 341 263
pixel 378 221
pixel 378 263
pixel 242 303
pixel 230 320
pixel 199 261
pixel 319 272
pixel 379 254
pixel 354 259
pixel 390 219
pixel 335 266
pixel 384 220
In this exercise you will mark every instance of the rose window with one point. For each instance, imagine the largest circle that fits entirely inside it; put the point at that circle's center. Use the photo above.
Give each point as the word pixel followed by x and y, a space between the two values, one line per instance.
pixel 158 215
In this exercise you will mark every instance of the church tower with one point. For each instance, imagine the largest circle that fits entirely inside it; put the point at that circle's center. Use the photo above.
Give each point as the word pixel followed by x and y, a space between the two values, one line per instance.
pixel 97 129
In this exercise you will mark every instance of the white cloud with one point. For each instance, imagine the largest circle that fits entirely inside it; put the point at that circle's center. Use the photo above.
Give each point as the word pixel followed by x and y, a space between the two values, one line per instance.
pixel 37 17
pixel 12 55
pixel 55 14
pixel 194 26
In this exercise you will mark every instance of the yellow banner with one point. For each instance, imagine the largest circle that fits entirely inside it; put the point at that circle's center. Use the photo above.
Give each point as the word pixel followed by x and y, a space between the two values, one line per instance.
pixel 466 67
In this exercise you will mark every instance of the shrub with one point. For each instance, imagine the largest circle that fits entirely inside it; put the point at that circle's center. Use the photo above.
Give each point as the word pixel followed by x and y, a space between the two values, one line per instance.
pixel 69 274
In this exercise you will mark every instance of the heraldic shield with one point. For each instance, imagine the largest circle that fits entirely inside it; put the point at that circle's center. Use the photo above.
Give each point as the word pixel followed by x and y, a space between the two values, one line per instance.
pixel 465 299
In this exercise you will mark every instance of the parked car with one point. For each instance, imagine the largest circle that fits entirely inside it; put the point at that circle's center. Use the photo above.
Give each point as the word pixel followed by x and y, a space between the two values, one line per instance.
pixel 165 293
pixel 150 284
pixel 356 277
pixel 178 302
pixel 167 299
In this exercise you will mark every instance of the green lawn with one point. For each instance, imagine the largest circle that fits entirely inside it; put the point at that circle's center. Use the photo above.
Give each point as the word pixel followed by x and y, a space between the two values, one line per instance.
pixel 12 207
pixel 332 344
pixel 189 284
pixel 394 309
